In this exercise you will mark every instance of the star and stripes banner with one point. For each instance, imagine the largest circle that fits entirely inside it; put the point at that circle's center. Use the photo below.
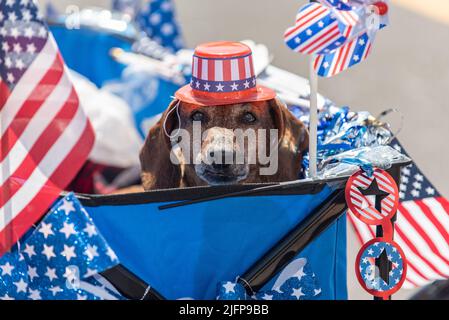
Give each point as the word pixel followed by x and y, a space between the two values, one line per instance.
pixel 422 227
pixel 339 34
pixel 45 136
pixel 61 259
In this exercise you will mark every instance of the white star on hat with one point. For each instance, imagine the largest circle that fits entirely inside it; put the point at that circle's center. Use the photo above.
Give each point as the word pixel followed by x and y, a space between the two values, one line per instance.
pixel 220 87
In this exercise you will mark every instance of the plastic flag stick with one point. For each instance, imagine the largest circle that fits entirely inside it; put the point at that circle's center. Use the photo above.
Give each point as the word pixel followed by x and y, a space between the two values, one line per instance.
pixel 313 126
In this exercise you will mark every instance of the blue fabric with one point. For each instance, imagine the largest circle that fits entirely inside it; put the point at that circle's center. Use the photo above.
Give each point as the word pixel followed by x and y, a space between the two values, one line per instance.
pixel 188 251
pixel 327 256
pixel 87 52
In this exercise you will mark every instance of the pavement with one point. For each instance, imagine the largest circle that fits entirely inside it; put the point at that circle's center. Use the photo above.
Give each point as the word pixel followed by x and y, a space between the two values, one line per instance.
pixel 408 70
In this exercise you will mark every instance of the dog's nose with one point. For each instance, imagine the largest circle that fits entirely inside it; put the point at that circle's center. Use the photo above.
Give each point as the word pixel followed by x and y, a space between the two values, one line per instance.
pixel 221 159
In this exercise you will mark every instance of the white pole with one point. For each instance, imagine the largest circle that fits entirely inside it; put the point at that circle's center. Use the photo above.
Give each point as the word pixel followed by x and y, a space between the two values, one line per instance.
pixel 313 130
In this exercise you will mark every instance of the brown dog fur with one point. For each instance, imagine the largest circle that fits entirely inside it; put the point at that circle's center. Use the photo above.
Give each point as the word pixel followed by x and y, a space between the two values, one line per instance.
pixel 158 172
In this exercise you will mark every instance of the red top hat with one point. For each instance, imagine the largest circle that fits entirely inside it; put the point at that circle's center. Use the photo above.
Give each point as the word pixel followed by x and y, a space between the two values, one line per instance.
pixel 223 73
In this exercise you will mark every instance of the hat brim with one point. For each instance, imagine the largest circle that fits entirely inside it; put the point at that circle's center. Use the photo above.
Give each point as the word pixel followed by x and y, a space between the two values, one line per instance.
pixel 259 93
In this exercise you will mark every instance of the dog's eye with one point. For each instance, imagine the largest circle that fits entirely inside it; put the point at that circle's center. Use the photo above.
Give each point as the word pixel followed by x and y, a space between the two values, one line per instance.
pixel 197 116
pixel 249 117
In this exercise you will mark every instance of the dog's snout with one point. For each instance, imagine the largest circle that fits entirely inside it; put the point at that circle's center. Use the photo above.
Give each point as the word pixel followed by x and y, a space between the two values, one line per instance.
pixel 221 160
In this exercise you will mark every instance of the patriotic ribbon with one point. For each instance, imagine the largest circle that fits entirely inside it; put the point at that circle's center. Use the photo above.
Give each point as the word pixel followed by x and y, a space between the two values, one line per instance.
pixel 296 282
pixel 339 33
pixel 380 281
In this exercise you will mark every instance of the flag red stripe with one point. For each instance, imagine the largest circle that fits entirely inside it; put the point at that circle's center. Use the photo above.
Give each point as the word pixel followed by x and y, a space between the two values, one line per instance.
pixel 444 202
pixel 227 70
pixel 48 137
pixel 417 252
pixel 406 214
pixel 345 59
pixel 319 41
pixel 32 104
pixel 4 93
pixel 60 178
pixel 426 210
pixel 211 69
pixel 242 73
pixel 322 10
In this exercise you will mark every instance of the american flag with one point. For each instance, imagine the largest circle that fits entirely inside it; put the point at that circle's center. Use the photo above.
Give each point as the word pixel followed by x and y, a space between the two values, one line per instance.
pixel 422 227
pixel 45 136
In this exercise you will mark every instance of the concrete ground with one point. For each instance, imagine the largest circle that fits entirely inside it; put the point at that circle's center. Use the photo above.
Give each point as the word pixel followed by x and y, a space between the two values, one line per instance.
pixel 408 70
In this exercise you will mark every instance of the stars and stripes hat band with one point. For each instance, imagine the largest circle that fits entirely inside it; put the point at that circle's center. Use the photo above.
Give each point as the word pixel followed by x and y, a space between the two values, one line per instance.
pixel 223 73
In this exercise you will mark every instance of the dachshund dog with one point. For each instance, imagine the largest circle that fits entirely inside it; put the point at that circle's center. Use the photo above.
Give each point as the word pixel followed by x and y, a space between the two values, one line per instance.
pixel 164 158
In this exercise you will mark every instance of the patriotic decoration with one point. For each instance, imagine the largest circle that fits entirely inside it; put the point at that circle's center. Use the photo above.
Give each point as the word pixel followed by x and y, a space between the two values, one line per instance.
pixel 158 20
pixel 44 134
pixel 421 228
pixel 385 280
pixel 296 282
pixel 223 75
pixel 381 283
pixel 60 260
pixel 362 207
pixel 339 33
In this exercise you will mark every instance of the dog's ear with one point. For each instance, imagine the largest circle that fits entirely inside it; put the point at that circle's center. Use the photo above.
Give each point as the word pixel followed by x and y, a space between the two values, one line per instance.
pixel 293 139
pixel 158 172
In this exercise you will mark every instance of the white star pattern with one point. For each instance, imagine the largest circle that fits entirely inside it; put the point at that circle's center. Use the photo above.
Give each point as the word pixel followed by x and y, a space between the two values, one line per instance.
pixel 297 293
pixel 430 191
pixel 48 252
pixel 220 87
pixel 91 252
pixel 207 86
pixel 55 290
pixel 111 254
pixel 46 229
pixel 51 273
pixel 7 269
pixel 67 206
pixel 68 252
pixel 90 230
pixel 35 295
pixel 68 229
pixel 234 86
pixel 21 286
pixel 246 84
pixel 32 272
pixel 229 287
pixel 417 185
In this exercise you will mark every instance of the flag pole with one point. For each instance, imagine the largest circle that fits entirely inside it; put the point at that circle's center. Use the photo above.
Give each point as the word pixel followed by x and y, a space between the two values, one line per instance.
pixel 313 122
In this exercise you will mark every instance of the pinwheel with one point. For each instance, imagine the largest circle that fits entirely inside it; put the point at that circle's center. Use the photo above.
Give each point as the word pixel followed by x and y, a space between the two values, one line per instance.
pixel 338 33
